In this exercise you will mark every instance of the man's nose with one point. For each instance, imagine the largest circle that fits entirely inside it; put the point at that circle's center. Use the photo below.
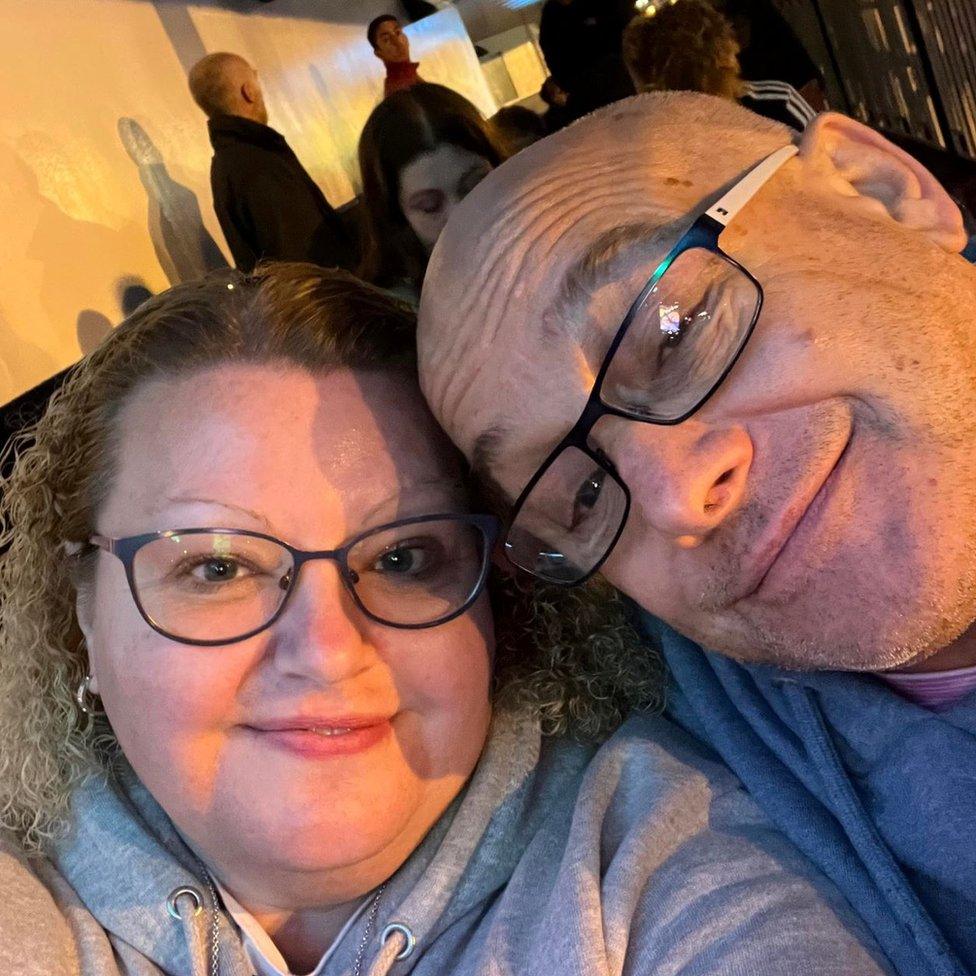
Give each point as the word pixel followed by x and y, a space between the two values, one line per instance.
pixel 321 634
pixel 684 480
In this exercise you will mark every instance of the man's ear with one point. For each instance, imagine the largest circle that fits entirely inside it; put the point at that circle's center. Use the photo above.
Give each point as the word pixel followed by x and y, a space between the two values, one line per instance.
pixel 860 162
pixel 249 92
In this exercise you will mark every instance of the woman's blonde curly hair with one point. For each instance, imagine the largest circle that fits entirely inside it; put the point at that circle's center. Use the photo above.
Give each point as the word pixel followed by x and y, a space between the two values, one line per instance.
pixel 572 657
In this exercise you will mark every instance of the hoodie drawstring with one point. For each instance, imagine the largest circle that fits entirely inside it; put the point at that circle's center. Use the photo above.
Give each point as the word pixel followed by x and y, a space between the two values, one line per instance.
pixel 186 905
pixel 398 943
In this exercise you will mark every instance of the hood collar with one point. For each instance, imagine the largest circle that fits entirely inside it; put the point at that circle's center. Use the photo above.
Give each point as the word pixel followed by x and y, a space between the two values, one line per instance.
pixel 230 130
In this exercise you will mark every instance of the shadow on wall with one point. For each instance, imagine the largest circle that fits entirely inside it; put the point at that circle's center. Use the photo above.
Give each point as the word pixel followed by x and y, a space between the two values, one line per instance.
pixel 132 292
pixel 39 271
pixel 183 245
pixel 92 327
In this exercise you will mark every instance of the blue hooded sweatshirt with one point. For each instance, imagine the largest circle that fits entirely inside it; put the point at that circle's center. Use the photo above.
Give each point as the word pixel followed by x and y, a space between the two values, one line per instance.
pixel 878 792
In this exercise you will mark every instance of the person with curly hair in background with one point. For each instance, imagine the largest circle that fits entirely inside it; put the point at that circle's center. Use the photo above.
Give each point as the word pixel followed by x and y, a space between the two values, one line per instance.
pixel 690 45
pixel 255 718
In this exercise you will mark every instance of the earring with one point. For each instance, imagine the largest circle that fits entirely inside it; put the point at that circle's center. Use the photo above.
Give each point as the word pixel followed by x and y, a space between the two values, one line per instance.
pixel 84 696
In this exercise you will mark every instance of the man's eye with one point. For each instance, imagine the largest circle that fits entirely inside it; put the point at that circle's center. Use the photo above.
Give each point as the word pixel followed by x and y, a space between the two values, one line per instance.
pixel 587 497
pixel 675 326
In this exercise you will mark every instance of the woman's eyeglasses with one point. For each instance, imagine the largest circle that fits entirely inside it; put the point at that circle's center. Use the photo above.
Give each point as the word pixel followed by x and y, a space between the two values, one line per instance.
pixel 211 586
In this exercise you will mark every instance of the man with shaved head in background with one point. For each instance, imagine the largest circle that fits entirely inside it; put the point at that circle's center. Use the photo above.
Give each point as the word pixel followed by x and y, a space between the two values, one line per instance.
pixel 268 206
pixel 738 377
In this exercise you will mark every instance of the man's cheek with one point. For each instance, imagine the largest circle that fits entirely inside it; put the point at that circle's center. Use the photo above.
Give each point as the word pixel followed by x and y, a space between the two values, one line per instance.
pixel 639 569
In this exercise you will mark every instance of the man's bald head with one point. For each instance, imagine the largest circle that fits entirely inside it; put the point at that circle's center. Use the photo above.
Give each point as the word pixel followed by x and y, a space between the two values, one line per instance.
pixel 225 84
pixel 838 444
pixel 565 206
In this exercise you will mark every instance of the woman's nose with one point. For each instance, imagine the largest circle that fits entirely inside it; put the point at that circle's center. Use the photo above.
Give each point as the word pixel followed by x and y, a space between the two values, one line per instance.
pixel 322 633
pixel 685 480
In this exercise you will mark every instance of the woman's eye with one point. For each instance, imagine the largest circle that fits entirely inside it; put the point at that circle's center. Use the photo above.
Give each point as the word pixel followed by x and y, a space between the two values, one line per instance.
pixel 429 202
pixel 216 570
pixel 410 560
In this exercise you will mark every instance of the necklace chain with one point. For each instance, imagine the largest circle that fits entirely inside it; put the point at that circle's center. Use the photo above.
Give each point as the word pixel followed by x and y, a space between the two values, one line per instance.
pixel 215 925
pixel 370 921
pixel 214 919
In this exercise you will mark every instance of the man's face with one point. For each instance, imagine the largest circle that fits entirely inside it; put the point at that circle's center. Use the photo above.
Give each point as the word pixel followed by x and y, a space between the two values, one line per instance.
pixel 391 43
pixel 819 510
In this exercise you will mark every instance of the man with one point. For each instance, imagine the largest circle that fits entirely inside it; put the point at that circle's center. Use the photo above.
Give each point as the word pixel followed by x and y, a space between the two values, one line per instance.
pixel 392 47
pixel 801 485
pixel 268 206
pixel 580 40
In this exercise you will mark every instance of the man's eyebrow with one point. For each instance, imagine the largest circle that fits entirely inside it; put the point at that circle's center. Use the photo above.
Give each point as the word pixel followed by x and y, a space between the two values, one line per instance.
pixel 604 261
pixel 484 456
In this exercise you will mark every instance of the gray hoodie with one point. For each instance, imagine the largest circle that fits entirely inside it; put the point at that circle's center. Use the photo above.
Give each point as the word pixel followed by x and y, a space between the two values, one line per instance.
pixel 643 856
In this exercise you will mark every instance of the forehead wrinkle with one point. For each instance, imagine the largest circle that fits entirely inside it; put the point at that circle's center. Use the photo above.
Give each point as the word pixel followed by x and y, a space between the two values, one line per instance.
pixel 542 211
pixel 533 209
pixel 609 259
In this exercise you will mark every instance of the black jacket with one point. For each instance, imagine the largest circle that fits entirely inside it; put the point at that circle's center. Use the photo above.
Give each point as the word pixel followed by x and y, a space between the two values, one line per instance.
pixel 268 206
pixel 582 42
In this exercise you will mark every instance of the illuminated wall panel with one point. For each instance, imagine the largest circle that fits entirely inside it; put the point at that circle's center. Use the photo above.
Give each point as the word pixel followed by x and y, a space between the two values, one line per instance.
pixel 104 158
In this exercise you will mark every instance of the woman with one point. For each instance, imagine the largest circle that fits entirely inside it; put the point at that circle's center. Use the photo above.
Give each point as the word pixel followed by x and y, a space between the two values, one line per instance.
pixel 421 151
pixel 240 541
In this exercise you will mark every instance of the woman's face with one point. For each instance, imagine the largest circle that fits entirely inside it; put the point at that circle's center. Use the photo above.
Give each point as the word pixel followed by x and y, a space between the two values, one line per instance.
pixel 433 184
pixel 312 460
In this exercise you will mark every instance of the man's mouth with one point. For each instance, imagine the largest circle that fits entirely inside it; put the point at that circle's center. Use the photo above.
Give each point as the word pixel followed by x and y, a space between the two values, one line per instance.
pixel 799 524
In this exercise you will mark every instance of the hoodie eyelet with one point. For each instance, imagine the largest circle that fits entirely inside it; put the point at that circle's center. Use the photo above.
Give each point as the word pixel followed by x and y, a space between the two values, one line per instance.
pixel 172 903
pixel 411 939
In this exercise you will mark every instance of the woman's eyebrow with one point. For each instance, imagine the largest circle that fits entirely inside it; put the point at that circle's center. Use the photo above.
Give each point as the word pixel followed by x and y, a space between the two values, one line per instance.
pixel 447 485
pixel 202 500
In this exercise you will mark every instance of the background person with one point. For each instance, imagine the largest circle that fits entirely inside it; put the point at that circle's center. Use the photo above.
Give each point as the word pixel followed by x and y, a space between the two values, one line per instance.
pixel 392 47
pixel 580 40
pixel 517 127
pixel 305 761
pixel 691 46
pixel 420 152
pixel 268 206
pixel 769 49
pixel 812 515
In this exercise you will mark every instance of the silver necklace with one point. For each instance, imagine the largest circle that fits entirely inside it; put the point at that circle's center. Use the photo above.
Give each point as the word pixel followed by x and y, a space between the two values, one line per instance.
pixel 370 921
pixel 214 928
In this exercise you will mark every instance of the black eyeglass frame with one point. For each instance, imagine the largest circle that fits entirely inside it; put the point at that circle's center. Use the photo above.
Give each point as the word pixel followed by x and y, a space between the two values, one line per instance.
pixel 704 233
pixel 125 550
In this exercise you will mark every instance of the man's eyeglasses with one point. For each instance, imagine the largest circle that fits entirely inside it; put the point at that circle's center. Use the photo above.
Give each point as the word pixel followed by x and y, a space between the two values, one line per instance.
pixel 219 586
pixel 677 343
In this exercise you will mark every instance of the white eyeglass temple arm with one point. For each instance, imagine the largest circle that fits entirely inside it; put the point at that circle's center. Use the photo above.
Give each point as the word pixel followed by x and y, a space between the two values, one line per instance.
pixel 732 202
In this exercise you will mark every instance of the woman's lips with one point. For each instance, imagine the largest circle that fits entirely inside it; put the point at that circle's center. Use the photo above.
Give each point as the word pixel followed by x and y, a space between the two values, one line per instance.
pixel 323 742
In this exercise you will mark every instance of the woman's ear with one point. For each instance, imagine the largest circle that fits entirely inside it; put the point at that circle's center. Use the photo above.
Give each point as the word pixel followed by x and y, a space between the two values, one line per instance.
pixel 860 162
pixel 84 600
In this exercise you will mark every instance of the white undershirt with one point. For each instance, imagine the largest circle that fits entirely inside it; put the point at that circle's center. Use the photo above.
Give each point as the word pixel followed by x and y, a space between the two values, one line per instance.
pixel 261 950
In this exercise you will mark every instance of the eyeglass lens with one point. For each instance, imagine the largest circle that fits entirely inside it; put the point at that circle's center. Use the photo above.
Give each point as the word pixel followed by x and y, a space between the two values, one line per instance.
pixel 569 519
pixel 680 342
pixel 682 338
pixel 221 586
